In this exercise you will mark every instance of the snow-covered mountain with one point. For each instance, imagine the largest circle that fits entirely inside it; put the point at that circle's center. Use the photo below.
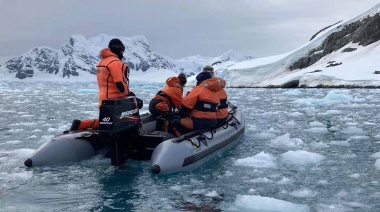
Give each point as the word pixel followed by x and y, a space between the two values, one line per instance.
pixel 77 59
pixel 345 54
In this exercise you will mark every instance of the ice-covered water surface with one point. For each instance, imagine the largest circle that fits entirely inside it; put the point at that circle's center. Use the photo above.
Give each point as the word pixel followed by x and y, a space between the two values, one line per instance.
pixel 303 150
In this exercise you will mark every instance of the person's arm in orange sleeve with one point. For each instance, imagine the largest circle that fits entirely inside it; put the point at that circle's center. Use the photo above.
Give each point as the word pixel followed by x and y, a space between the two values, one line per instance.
pixel 116 69
pixel 189 101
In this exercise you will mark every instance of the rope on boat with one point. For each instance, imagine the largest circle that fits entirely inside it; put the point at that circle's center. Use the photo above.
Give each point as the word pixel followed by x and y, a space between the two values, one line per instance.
pixel 196 146
pixel 212 131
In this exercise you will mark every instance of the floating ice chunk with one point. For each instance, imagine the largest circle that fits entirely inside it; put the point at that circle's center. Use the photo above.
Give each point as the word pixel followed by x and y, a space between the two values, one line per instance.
pixel 212 194
pixel 285 142
pixel 261 160
pixel 334 112
pixel 4 86
pixel 351 123
pixel 310 101
pixel 228 174
pixel 322 182
pixel 316 124
pixel 13 142
pixel 291 123
pixel 199 191
pixel 375 155
pixel 301 157
pixel 377 164
pixel 369 123
pixel 355 175
pixel 260 203
pixel 264 136
pixel 317 130
pixel 24 152
pixel 303 192
pixel 292 92
pixel 284 181
pixel 271 130
pixel 334 95
pixel 359 138
pixel 176 188
pixel 261 180
pixel 340 143
pixel 332 208
pixel 295 114
pixel 318 145
pixel 88 90
pixel 353 130
pixel 16 177
pixel 341 194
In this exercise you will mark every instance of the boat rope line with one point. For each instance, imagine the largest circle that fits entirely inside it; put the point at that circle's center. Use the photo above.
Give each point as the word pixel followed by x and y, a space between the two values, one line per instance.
pixel 196 146
pixel 199 156
pixel 212 131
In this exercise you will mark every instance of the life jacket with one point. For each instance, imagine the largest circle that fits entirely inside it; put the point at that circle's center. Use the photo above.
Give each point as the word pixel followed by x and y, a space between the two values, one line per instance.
pixel 171 95
pixel 222 111
pixel 203 99
pixel 109 71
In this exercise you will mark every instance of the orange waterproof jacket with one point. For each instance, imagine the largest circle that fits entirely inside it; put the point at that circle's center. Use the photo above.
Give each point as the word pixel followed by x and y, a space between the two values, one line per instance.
pixel 109 71
pixel 223 106
pixel 172 93
pixel 203 99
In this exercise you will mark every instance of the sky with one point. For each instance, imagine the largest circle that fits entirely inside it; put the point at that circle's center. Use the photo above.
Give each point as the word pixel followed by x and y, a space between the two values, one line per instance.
pixel 174 28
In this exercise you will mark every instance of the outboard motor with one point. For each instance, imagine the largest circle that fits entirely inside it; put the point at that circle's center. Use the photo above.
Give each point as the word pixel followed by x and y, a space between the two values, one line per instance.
pixel 119 119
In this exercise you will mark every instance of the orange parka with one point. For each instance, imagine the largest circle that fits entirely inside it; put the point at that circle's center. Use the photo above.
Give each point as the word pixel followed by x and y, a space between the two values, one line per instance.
pixel 171 95
pixel 203 100
pixel 110 71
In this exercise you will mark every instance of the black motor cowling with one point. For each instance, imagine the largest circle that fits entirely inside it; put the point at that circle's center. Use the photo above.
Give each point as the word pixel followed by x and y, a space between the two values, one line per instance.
pixel 119 120
pixel 118 115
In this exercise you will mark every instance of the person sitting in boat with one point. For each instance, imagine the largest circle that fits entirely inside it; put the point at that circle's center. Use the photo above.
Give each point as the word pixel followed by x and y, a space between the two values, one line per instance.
pixel 198 108
pixel 168 98
pixel 112 77
pixel 222 113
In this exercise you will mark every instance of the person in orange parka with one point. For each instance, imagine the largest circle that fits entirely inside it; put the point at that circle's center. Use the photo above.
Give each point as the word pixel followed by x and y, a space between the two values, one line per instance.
pixel 169 98
pixel 111 72
pixel 112 79
pixel 198 108
pixel 222 113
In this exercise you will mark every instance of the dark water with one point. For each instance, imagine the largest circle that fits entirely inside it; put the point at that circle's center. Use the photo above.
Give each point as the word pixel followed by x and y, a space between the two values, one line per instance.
pixel 310 147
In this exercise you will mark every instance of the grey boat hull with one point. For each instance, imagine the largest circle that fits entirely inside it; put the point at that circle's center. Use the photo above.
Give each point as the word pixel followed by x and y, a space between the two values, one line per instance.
pixel 76 146
pixel 188 152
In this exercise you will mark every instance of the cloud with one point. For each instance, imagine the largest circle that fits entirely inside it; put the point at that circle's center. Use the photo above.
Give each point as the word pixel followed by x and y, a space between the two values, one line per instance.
pixel 174 28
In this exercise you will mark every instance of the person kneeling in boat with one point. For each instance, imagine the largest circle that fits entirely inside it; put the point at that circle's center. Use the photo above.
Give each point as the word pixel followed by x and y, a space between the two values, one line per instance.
pixel 169 98
pixel 112 76
pixel 198 108
pixel 222 112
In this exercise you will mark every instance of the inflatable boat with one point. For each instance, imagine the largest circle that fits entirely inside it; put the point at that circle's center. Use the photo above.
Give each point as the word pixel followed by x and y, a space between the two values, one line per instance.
pixel 125 134
pixel 189 151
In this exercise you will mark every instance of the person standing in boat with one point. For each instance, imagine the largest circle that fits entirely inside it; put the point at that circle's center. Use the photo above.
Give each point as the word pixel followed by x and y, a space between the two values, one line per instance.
pixel 169 98
pixel 198 108
pixel 112 77
pixel 222 112
pixel 112 74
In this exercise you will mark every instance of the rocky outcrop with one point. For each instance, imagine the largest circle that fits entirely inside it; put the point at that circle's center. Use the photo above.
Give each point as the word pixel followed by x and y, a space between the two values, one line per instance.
pixel 363 32
pixel 81 55
pixel 42 59
pixel 315 35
